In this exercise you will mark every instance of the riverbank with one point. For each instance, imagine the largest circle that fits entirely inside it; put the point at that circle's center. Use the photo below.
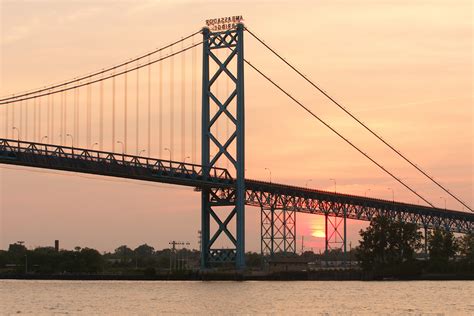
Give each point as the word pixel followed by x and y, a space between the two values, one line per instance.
pixel 246 276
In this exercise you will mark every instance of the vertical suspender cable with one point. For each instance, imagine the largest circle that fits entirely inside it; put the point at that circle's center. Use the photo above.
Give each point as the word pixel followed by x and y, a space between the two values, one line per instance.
pixel 88 117
pixel 183 104
pixel 48 116
pixel 26 120
pixel 74 116
pixel 137 115
pixel 171 104
pixel 13 119
pixel 193 105
pixel 65 118
pixel 149 110
pixel 40 135
pixel 78 114
pixel 113 113
pixel 21 116
pixel 35 138
pixel 6 119
pixel 63 136
pixel 160 108
pixel 101 116
pixel 52 120
pixel 125 114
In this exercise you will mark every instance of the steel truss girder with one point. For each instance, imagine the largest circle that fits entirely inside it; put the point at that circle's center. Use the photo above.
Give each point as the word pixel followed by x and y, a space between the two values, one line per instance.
pixel 111 164
pixel 278 231
pixel 262 194
pixel 232 42
pixel 258 193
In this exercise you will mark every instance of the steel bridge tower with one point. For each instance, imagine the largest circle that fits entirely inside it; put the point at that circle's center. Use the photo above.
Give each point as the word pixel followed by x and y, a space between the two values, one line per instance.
pixel 220 208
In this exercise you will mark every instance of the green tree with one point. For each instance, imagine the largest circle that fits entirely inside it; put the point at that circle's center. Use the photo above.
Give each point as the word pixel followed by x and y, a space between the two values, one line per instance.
pixel 466 247
pixel 124 253
pixel 91 260
pixel 442 246
pixel 16 249
pixel 386 243
pixel 144 251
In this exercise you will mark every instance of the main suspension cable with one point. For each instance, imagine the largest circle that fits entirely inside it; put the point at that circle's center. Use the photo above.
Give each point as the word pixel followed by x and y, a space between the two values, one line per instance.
pixel 93 74
pixel 104 78
pixel 358 120
pixel 337 133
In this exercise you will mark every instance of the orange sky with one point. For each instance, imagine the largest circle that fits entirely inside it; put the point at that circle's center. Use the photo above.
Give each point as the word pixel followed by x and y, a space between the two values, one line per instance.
pixel 405 68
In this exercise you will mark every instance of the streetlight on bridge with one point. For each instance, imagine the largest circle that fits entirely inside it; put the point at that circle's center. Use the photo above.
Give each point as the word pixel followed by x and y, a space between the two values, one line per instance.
pixel 268 169
pixel 72 139
pixel 308 181
pixel 18 131
pixel 169 150
pixel 365 193
pixel 334 185
pixel 123 151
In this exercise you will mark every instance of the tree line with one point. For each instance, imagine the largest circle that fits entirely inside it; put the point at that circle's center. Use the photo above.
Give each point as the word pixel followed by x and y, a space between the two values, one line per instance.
pixel 387 247
pixel 144 259
pixel 390 247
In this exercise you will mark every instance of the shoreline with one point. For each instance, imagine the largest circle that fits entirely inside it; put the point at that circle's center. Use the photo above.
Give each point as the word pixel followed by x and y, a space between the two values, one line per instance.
pixel 233 276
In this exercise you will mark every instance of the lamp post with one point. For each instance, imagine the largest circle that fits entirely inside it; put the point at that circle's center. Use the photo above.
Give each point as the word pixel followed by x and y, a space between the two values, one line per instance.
pixel 14 128
pixel 72 143
pixel 443 198
pixel 169 150
pixel 365 193
pixel 308 181
pixel 393 194
pixel 123 152
pixel 41 141
pixel 187 157
pixel 268 169
pixel 94 144
pixel 18 131
pixel 141 151
pixel 334 185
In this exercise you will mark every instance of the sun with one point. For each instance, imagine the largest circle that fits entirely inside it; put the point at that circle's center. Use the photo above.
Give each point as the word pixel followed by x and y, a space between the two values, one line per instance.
pixel 318 233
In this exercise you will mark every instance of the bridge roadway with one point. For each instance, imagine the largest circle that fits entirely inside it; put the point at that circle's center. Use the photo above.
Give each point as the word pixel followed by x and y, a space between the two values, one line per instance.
pixel 220 182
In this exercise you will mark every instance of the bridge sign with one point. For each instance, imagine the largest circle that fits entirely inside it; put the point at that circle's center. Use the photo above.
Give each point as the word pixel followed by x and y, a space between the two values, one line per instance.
pixel 225 23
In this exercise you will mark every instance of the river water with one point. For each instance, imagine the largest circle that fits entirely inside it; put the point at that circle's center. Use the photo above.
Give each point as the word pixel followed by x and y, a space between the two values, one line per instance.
pixel 228 297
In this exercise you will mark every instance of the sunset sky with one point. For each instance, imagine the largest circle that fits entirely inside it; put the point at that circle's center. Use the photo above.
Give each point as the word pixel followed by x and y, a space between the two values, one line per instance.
pixel 404 67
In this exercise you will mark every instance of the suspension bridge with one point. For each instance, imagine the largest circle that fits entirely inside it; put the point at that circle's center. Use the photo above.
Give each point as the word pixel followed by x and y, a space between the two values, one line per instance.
pixel 112 122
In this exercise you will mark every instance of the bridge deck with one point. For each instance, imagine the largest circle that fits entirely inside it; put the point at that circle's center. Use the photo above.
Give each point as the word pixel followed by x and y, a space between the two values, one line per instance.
pixel 259 193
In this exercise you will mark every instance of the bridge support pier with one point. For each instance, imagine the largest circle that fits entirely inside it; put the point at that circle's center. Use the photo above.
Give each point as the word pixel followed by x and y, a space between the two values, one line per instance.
pixel 278 231
pixel 335 235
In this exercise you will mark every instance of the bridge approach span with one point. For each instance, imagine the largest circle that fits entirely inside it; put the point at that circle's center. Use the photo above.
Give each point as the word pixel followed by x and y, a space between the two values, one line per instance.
pixel 266 195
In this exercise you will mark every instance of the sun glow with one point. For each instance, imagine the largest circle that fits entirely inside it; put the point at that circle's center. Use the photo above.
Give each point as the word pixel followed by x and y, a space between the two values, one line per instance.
pixel 318 233
pixel 317 227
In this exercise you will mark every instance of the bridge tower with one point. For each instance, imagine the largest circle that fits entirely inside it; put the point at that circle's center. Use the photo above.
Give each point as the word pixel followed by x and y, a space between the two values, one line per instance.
pixel 220 209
